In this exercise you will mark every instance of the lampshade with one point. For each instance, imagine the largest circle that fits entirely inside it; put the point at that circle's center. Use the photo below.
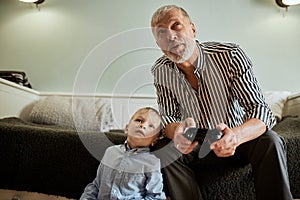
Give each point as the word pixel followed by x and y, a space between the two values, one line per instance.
pixel 36 2
pixel 286 3
pixel 291 2
pixel 33 1
pixel 29 1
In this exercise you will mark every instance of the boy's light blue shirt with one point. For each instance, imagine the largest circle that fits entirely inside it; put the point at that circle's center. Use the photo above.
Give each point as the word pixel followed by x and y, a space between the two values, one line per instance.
pixel 126 174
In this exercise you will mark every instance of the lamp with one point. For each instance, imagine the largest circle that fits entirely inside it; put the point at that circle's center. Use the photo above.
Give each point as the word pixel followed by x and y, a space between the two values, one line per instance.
pixel 36 2
pixel 287 3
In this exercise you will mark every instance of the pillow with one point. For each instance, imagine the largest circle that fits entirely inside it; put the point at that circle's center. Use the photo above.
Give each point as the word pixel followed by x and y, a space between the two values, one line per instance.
pixel 276 101
pixel 81 113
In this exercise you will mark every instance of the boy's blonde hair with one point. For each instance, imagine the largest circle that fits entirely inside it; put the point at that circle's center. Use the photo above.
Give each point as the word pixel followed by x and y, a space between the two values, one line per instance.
pixel 148 109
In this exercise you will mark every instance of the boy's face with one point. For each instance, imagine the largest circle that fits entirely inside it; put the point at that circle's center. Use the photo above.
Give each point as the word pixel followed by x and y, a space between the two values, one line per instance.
pixel 143 129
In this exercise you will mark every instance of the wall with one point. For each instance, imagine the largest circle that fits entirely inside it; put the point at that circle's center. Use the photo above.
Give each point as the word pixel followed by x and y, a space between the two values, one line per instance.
pixel 102 46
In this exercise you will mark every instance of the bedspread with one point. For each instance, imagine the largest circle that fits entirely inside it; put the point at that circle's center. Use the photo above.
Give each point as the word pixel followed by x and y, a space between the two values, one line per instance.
pixel 49 159
pixel 52 160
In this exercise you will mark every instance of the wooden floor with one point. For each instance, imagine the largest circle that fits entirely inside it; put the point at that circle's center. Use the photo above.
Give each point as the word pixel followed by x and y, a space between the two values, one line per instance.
pixel 21 195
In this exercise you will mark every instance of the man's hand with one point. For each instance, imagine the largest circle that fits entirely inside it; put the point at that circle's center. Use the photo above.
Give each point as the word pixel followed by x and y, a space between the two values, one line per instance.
pixel 184 145
pixel 226 146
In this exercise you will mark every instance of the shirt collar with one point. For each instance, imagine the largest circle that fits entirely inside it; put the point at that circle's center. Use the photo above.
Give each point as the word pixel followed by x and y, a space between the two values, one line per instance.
pixel 135 150
pixel 200 57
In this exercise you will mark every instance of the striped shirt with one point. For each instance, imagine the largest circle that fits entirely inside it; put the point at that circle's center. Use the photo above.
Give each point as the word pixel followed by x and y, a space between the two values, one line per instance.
pixel 228 91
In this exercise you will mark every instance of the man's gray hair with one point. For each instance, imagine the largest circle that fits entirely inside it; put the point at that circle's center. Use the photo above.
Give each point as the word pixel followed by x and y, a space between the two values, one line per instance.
pixel 163 10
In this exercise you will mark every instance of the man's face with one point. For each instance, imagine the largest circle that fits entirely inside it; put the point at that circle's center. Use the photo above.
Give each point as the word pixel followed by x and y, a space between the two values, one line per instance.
pixel 175 35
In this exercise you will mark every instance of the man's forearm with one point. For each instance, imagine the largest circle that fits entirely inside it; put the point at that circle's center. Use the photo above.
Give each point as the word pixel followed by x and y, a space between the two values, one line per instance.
pixel 250 130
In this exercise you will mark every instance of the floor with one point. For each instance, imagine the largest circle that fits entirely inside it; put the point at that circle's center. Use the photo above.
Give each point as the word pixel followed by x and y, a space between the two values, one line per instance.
pixel 21 195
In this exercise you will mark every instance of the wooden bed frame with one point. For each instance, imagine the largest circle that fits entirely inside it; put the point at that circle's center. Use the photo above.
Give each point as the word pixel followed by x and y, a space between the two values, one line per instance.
pixel 17 101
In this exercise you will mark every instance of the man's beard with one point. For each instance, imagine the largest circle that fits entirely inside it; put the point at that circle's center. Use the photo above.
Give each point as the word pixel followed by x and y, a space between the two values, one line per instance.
pixel 180 55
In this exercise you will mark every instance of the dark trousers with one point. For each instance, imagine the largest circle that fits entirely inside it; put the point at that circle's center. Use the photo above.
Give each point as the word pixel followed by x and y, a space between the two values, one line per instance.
pixel 266 154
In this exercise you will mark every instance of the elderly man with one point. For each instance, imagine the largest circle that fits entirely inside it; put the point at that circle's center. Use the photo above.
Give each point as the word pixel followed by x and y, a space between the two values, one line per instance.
pixel 211 85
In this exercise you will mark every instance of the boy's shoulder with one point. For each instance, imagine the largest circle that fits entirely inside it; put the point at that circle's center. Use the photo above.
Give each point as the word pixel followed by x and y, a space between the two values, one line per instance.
pixel 115 147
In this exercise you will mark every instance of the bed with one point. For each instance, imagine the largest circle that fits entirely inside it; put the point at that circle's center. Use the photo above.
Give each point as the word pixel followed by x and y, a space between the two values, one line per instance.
pixel 48 152
pixel 51 160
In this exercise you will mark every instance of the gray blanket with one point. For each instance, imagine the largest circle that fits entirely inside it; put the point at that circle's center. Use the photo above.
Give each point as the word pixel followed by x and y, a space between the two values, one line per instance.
pixel 49 159
pixel 52 160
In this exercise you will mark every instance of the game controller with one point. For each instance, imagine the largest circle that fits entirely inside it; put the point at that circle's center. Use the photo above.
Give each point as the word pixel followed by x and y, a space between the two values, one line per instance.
pixel 204 137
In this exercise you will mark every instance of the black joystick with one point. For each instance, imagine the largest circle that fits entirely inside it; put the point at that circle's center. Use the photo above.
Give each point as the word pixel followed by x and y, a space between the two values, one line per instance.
pixel 204 137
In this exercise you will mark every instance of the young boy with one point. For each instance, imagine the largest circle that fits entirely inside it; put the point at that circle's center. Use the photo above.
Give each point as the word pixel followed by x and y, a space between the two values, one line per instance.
pixel 130 171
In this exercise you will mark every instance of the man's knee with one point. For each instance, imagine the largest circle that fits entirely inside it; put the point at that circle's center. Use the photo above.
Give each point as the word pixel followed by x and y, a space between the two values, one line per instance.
pixel 269 147
pixel 271 139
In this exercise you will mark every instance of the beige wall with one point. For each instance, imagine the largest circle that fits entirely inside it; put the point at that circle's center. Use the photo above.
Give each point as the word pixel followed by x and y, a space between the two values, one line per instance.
pixel 102 46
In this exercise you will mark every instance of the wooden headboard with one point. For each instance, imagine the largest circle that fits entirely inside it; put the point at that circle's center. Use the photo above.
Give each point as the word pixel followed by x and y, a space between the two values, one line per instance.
pixel 292 106
pixel 17 101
